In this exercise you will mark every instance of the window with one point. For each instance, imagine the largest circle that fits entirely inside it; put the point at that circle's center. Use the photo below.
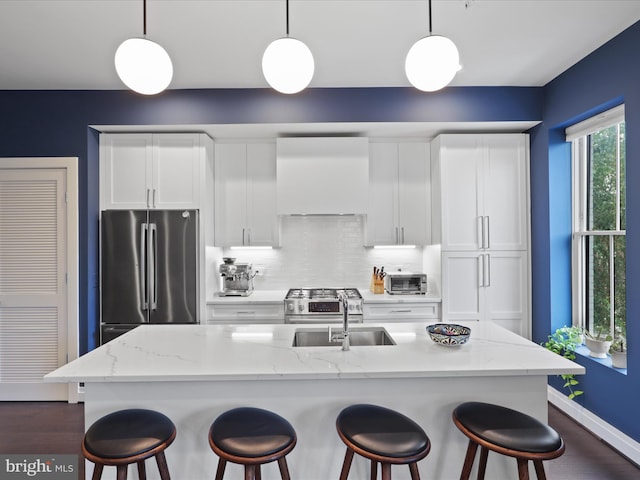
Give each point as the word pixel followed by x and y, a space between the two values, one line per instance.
pixel 599 206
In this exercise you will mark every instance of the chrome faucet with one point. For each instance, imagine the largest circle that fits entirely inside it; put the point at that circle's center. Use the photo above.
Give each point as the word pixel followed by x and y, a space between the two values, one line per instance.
pixel 344 336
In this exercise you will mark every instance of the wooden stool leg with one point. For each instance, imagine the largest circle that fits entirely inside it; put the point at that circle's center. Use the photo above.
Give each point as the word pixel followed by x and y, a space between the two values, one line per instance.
pixel 540 470
pixel 482 467
pixel 222 463
pixel 142 471
pixel 468 460
pixel 249 472
pixel 163 468
pixel 346 465
pixel 413 468
pixel 386 471
pixel 284 469
pixel 97 471
pixel 257 472
pixel 122 472
pixel 523 469
pixel 374 470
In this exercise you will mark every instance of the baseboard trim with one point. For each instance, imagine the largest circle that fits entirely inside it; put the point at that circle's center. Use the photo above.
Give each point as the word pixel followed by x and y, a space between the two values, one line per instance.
pixel 624 444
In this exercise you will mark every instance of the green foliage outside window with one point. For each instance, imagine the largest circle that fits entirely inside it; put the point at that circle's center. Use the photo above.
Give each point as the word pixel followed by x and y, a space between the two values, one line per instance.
pixel 606 212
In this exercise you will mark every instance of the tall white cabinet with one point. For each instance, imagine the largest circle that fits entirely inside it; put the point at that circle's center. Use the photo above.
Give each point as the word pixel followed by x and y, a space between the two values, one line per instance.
pixel 481 220
pixel 399 210
pixel 245 194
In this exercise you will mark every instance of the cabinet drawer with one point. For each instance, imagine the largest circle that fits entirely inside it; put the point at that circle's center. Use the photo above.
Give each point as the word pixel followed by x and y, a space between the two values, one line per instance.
pixel 401 312
pixel 246 313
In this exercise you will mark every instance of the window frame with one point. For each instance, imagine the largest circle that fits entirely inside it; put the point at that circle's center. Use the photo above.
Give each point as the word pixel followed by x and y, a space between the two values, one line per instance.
pixel 578 135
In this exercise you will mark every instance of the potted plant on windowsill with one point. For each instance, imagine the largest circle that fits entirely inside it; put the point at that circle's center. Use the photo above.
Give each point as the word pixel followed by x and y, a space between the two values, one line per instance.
pixel 618 352
pixel 564 342
pixel 598 344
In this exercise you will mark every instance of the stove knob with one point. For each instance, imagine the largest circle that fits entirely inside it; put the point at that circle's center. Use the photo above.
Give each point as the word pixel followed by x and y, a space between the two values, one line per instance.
pixel 301 308
pixel 290 307
pixel 351 307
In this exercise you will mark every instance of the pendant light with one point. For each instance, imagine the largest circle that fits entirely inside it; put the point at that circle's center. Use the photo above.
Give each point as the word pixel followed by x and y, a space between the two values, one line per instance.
pixel 142 65
pixel 432 61
pixel 287 63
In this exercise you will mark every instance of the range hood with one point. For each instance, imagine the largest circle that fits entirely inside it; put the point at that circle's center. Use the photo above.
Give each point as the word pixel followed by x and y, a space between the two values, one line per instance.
pixel 322 175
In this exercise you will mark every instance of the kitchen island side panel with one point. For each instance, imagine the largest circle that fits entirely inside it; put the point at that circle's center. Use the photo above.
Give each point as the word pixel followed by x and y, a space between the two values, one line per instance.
pixel 312 407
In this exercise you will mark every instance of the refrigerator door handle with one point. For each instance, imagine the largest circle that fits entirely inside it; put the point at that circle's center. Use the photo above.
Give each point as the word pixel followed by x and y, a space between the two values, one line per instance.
pixel 144 291
pixel 153 270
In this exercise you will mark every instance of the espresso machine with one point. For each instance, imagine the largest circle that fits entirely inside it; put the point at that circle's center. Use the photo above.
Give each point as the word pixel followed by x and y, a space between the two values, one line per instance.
pixel 237 278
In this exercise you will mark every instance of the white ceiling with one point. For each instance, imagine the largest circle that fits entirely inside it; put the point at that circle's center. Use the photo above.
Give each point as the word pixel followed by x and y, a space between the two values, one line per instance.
pixel 69 44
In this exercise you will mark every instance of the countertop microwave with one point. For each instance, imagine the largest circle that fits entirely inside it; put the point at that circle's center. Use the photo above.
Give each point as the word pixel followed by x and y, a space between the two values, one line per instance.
pixel 405 283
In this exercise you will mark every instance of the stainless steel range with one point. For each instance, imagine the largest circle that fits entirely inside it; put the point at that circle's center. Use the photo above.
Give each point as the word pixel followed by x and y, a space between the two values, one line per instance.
pixel 322 305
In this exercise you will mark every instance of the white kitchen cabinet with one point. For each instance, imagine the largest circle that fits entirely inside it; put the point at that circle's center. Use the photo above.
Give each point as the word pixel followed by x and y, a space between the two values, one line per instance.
pixel 151 171
pixel 399 210
pixel 480 191
pixel 481 219
pixel 486 286
pixel 250 312
pixel 401 311
pixel 245 193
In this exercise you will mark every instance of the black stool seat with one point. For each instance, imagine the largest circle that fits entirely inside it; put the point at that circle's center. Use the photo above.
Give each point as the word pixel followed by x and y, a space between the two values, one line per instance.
pixel 508 428
pixel 382 435
pixel 127 437
pixel 251 432
pixel 251 437
pixel 508 432
pixel 128 433
pixel 382 431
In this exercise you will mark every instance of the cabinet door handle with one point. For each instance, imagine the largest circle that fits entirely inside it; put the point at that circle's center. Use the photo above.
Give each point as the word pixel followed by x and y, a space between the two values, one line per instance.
pixel 248 236
pixel 402 235
pixel 243 236
pixel 248 312
pixel 488 269
pixel 397 239
pixel 486 230
pixel 481 270
pixel 480 231
pixel 148 194
pixel 401 311
pixel 154 198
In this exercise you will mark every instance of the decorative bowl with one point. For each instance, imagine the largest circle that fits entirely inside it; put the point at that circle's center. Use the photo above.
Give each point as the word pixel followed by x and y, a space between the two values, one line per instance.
pixel 449 334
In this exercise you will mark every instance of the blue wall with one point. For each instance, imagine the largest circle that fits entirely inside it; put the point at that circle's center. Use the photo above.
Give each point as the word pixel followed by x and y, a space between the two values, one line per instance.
pixel 606 78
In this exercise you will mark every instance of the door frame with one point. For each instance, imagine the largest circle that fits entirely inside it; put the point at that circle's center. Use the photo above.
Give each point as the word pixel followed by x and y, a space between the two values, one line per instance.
pixel 70 166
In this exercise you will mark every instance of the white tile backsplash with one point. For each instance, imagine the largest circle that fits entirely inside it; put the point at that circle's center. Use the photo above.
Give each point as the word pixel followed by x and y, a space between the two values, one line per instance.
pixel 325 251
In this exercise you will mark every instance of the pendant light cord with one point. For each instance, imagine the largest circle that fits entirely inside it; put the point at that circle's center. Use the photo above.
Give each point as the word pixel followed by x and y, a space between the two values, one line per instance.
pixel 287 17
pixel 144 17
pixel 429 17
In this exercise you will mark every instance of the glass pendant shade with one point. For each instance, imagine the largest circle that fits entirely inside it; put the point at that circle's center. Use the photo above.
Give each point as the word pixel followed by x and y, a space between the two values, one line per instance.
pixel 143 66
pixel 432 62
pixel 287 65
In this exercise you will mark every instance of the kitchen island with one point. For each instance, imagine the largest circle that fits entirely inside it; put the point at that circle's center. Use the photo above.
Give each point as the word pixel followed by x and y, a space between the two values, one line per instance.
pixel 193 373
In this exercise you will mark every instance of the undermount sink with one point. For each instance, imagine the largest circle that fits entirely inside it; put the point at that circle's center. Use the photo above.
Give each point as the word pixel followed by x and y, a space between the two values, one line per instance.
pixel 358 337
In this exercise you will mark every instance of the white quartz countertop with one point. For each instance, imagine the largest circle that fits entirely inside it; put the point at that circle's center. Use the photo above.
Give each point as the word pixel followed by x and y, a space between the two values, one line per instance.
pixel 156 353
pixel 257 296
pixel 275 296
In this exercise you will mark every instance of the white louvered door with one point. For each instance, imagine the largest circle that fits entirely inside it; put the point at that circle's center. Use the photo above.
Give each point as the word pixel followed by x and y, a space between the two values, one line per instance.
pixel 33 286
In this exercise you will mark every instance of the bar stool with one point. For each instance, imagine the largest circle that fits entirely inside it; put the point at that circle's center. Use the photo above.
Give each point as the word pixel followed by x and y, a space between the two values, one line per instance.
pixel 383 436
pixel 507 432
pixel 129 436
pixel 251 437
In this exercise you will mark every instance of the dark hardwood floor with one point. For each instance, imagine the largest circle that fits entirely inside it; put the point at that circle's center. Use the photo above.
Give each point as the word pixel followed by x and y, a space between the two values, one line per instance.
pixel 56 427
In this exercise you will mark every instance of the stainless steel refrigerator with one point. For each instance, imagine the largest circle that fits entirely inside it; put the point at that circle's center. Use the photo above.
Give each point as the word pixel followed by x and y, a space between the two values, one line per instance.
pixel 149 269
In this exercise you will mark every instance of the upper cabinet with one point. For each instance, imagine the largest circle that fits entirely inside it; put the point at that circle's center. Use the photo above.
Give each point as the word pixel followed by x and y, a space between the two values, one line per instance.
pixel 245 194
pixel 480 192
pixel 151 171
pixel 399 194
